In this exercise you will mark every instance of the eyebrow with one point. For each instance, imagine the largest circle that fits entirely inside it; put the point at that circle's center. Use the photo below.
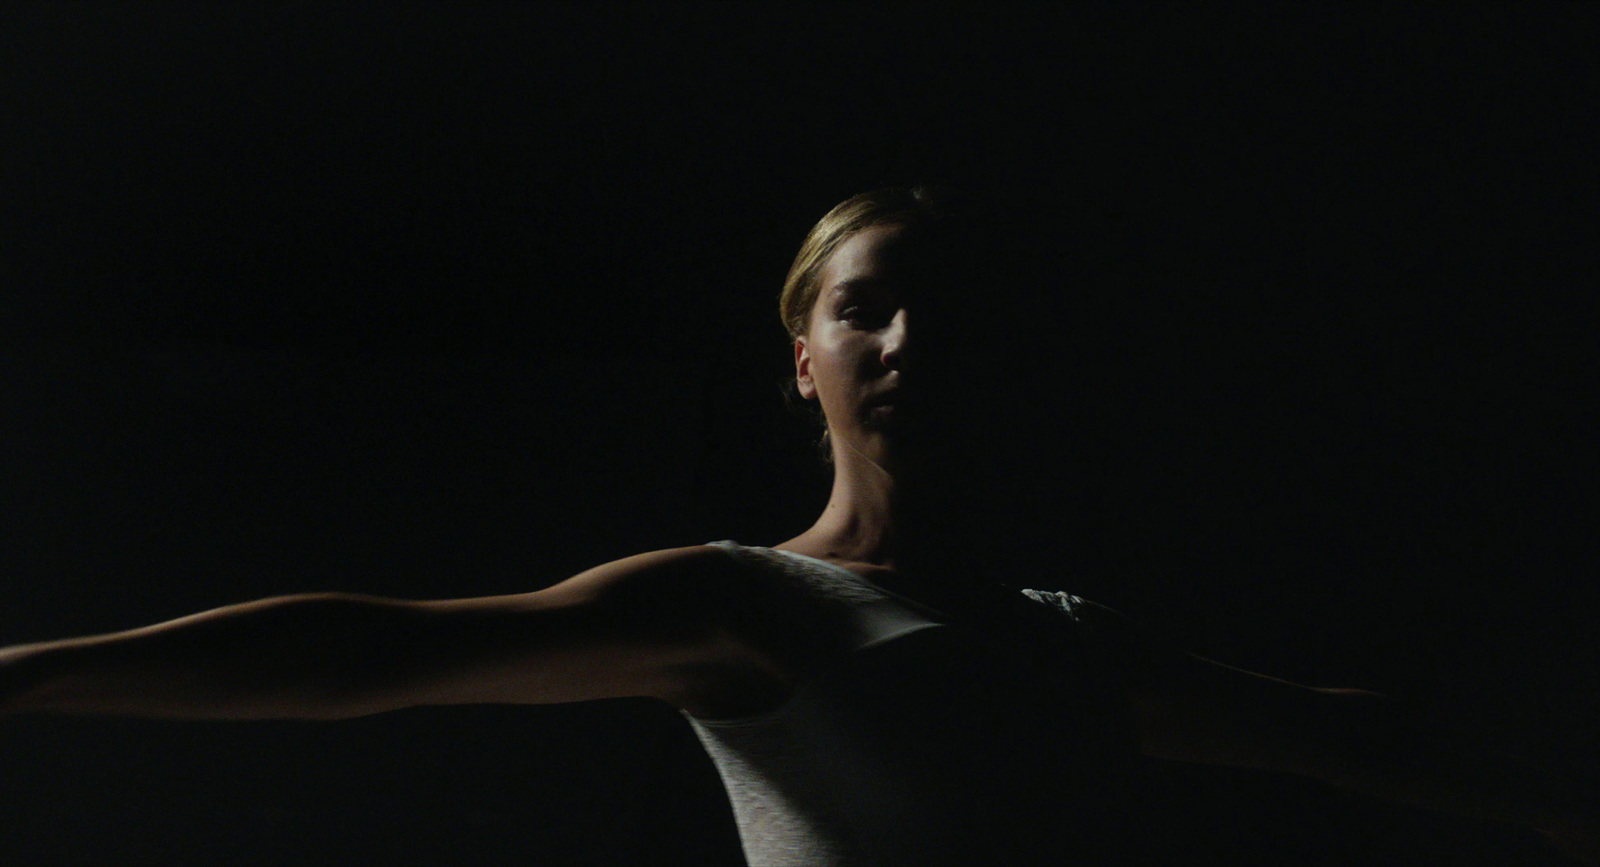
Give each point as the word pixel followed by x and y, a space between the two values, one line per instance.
pixel 863 282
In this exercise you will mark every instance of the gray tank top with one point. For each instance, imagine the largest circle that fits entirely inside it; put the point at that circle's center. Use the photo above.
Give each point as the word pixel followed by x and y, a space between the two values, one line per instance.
pixel 929 741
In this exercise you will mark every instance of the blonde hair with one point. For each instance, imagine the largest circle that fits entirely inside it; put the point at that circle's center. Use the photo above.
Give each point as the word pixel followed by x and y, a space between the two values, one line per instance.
pixel 880 207
pixel 913 206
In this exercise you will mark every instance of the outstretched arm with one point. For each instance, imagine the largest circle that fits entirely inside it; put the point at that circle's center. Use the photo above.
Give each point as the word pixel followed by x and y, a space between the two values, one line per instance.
pixel 642 626
pixel 1192 709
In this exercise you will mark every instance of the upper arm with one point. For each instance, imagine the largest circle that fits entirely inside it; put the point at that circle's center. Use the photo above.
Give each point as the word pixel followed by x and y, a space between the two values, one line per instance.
pixel 652 625
pixel 1194 709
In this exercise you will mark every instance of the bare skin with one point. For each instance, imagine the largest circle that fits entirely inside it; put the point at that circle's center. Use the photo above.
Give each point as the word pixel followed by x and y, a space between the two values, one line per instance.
pixel 862 348
pixel 853 357
pixel 680 625
pixel 861 360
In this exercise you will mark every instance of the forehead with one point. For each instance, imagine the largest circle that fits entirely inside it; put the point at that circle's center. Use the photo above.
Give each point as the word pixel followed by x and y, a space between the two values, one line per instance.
pixel 879 252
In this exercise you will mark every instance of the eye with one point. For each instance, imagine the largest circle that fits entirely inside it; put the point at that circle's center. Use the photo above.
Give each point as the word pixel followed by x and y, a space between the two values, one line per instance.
pixel 866 314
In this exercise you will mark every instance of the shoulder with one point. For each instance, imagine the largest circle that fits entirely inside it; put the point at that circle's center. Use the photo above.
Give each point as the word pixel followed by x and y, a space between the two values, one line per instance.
pixel 1138 654
pixel 660 574
pixel 749 595
pixel 687 589
pixel 690 613
pixel 1092 615
pixel 753 633
pixel 1089 617
pixel 1066 604
pixel 702 574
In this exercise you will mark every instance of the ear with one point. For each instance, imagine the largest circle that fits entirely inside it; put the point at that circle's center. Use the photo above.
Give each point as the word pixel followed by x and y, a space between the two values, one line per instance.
pixel 802 370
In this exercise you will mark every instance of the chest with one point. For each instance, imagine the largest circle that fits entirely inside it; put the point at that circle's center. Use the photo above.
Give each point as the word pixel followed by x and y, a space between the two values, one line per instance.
pixel 943 740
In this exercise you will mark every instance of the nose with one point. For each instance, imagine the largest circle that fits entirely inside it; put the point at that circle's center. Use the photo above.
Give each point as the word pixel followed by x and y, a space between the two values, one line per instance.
pixel 895 337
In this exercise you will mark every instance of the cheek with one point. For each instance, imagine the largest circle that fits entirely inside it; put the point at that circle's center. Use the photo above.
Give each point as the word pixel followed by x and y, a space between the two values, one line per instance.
pixel 826 375
pixel 836 359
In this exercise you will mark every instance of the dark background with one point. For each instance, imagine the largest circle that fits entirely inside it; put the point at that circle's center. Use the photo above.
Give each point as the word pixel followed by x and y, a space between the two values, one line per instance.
pixel 446 300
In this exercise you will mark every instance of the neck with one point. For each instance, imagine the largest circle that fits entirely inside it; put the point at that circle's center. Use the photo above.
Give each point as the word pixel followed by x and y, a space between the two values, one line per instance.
pixel 871 516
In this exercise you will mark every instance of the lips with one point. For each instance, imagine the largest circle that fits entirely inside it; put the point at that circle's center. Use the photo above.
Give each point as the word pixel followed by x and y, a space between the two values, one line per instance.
pixel 897 398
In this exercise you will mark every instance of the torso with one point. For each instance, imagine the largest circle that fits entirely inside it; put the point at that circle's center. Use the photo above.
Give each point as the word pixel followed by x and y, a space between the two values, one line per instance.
pixel 934 746
pixel 770 663
pixel 764 670
pixel 954 600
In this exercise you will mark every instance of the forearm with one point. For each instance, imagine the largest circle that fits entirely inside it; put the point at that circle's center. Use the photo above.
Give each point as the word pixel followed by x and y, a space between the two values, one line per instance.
pixel 318 656
pixel 1379 747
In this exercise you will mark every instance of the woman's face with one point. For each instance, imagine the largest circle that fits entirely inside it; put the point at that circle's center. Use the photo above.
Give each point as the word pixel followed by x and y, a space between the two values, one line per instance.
pixel 862 355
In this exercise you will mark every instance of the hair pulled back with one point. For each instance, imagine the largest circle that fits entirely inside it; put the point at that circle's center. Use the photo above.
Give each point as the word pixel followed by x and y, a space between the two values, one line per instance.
pixel 919 206
pixel 909 206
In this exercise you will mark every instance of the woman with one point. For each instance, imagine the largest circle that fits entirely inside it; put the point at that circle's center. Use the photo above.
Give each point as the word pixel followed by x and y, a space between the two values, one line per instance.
pixel 866 694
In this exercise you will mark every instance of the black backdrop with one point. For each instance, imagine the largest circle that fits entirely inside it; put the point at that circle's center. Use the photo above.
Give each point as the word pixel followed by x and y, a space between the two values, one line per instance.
pixel 436 300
